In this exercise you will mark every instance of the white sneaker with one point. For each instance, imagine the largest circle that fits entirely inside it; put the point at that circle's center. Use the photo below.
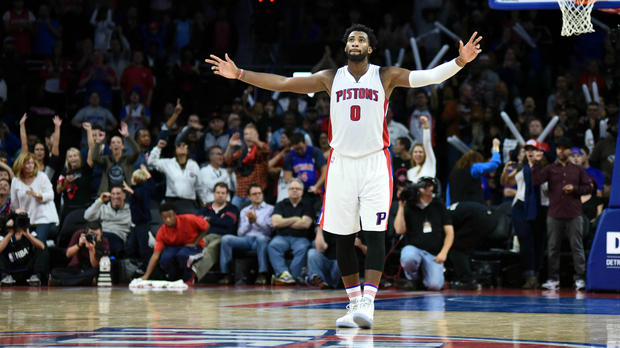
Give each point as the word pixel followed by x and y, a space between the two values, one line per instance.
pixel 8 280
pixel 580 284
pixel 551 284
pixel 347 319
pixel 365 312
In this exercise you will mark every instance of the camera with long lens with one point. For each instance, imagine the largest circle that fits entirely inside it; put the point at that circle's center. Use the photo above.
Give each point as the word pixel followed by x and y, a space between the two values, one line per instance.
pixel 20 221
pixel 91 237
pixel 411 192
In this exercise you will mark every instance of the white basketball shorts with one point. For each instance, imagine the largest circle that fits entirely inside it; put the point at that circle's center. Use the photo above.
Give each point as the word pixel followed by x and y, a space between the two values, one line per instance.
pixel 357 190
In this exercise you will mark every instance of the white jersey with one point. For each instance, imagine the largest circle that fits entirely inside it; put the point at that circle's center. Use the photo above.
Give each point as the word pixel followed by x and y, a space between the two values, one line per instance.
pixel 358 126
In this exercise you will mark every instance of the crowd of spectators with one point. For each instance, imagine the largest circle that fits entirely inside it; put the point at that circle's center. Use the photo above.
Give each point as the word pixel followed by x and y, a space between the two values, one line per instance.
pixel 128 136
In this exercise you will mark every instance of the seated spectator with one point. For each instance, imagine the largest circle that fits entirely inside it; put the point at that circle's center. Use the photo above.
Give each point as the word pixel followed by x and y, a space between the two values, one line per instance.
pixel 253 233
pixel 464 182
pixel 5 198
pixel 32 192
pixel 222 217
pixel 86 248
pixel 180 237
pixel 291 221
pixel 428 235
pixel 115 216
pixel 23 257
pixel 118 166
pixel 214 173
pixel 94 114
pixel 423 162
pixel 307 164
pixel 181 176
pixel 216 134
pixel 135 114
pixel 139 75
pixel 290 126
pixel 323 270
pixel 250 158
pixel 137 244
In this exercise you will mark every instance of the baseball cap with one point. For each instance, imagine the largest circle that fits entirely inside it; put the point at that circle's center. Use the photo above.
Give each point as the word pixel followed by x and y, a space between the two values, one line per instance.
pixel 576 151
pixel 533 143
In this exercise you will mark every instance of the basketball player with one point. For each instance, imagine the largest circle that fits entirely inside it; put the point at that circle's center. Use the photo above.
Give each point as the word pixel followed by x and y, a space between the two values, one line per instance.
pixel 358 185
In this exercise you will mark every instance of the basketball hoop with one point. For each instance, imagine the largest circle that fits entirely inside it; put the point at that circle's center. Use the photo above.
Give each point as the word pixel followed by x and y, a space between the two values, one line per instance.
pixel 576 16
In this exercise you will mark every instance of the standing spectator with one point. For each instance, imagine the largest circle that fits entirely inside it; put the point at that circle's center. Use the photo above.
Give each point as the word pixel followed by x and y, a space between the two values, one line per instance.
pixel 180 237
pixel 101 20
pixel 291 221
pixel 138 75
pixel 216 134
pixel 222 217
pixel 119 54
pixel 18 22
pixel 115 216
pixel 213 173
pixel 567 183
pixel 305 163
pixel 32 191
pixel 181 176
pixel 117 166
pixel 253 233
pixel 21 255
pixel 421 110
pixel 56 73
pixel 290 127
pixel 429 234
pixel 39 148
pixel 94 114
pixel 95 134
pixel 135 114
pixel 527 215
pixel 465 179
pixel 74 182
pixel 423 162
pixel 48 31
pixel 85 250
pixel 99 78
pixel 250 159
pixel 395 129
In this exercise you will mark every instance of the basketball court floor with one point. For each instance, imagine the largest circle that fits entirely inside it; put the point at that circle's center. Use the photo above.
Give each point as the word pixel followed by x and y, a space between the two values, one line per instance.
pixel 300 317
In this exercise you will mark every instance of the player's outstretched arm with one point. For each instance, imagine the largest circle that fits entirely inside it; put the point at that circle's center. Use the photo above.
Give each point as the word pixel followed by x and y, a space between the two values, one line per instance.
pixel 318 82
pixel 399 77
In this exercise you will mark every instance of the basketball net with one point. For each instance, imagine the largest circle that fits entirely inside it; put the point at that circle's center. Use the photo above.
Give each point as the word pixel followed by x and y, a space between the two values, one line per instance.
pixel 576 16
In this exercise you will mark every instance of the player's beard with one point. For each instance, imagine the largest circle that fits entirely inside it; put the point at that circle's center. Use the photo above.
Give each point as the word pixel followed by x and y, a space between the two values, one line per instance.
pixel 357 57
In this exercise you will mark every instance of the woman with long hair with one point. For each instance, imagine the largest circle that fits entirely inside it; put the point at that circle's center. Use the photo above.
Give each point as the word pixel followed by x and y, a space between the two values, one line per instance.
pixel 32 191
pixel 423 162
pixel 40 149
pixel 465 183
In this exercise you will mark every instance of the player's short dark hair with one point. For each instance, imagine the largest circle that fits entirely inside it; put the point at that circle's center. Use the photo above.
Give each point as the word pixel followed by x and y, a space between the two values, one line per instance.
pixel 297 138
pixel 404 141
pixel 372 38
pixel 167 206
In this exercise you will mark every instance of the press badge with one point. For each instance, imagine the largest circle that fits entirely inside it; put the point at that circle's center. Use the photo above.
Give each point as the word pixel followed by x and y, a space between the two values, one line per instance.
pixel 427 228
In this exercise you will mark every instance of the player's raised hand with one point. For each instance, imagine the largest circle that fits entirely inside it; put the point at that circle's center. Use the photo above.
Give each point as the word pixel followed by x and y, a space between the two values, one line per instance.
pixel 225 68
pixel 470 51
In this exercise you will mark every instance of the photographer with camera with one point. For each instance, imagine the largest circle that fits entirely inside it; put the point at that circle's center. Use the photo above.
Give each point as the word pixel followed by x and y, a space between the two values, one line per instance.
pixel 428 234
pixel 86 248
pixel 21 254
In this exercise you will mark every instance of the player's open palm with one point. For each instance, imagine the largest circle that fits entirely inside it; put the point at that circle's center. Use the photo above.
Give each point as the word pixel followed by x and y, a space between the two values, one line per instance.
pixel 470 51
pixel 225 68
